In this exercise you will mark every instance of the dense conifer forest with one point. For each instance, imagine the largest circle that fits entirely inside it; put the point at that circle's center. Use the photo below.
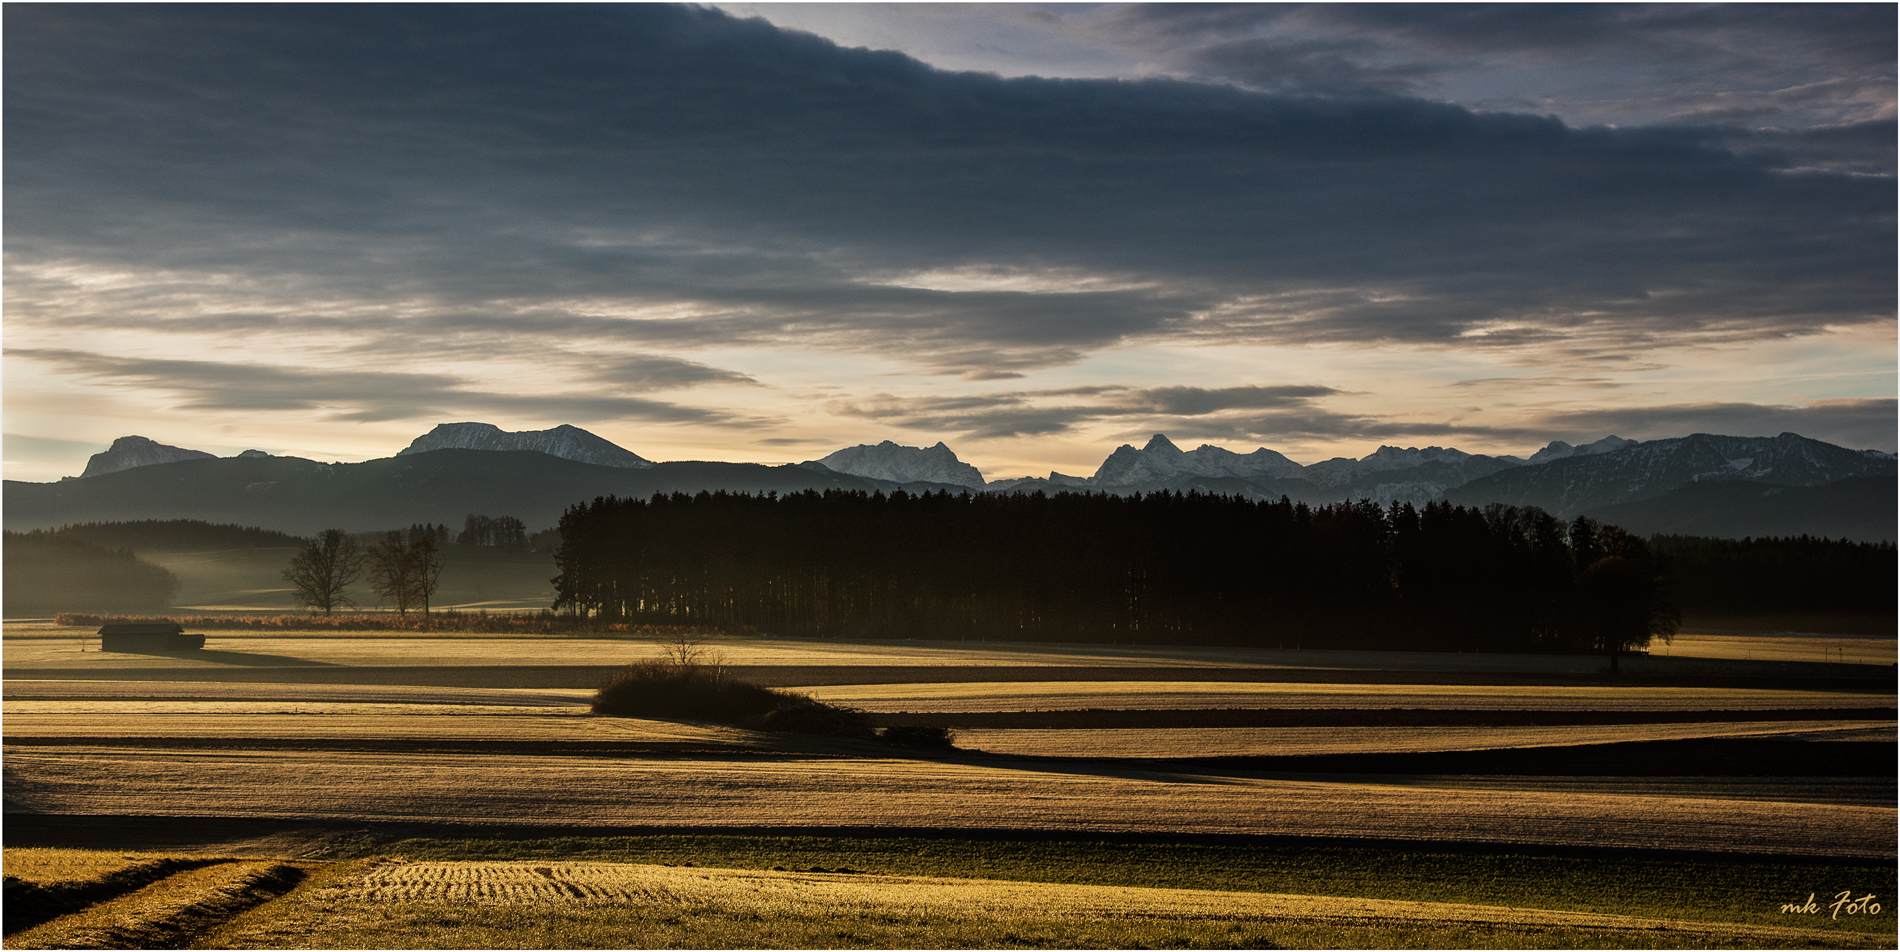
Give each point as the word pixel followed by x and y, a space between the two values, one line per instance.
pixel 169 535
pixel 1165 568
pixel 1796 574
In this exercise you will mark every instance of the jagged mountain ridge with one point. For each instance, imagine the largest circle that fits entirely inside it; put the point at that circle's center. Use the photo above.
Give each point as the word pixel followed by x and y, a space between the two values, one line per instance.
pixel 128 452
pixel 1408 474
pixel 564 441
pixel 1162 460
pixel 887 461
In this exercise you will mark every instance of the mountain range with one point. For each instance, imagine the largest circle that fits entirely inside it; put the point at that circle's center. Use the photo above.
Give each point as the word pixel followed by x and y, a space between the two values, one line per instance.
pixel 1700 484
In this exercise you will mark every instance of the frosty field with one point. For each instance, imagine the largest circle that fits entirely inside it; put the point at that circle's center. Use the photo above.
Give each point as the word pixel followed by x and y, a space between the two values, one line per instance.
pixel 1254 741
pixel 41 644
pixel 312 734
pixel 1139 695
pixel 886 792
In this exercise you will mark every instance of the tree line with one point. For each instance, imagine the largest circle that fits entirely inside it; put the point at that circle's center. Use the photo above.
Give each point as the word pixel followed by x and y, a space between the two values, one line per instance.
pixel 1789 574
pixel 1165 568
pixel 403 568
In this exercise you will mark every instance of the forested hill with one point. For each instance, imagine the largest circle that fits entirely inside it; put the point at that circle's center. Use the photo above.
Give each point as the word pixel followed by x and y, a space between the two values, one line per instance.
pixel 171 535
pixel 301 497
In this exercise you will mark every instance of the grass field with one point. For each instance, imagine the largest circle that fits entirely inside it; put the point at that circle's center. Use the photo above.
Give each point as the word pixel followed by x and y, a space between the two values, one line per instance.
pixel 1868 649
pixel 1256 741
pixel 166 911
pixel 1027 837
pixel 1016 696
pixel 639 892
pixel 869 791
pixel 637 904
pixel 250 720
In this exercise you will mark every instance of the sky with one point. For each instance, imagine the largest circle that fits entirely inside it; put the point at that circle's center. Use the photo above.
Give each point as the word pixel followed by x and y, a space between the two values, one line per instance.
pixel 763 232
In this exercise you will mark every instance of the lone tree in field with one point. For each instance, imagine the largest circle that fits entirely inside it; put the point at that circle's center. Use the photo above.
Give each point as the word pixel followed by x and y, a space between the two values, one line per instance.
pixel 405 572
pixel 323 568
pixel 1620 600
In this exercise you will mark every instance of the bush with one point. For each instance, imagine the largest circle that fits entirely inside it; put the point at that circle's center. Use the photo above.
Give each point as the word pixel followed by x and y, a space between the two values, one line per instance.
pixel 706 693
pixel 911 735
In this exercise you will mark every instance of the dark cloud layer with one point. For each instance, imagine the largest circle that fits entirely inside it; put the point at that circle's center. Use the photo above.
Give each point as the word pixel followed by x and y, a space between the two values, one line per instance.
pixel 346 395
pixel 1783 65
pixel 1276 416
pixel 673 177
pixel 1856 423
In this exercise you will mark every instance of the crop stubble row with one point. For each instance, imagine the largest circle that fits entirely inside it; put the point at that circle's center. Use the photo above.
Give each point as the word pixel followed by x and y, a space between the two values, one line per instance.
pixel 916 898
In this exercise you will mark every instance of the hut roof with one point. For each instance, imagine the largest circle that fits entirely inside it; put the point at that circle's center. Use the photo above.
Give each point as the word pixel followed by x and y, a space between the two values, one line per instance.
pixel 166 628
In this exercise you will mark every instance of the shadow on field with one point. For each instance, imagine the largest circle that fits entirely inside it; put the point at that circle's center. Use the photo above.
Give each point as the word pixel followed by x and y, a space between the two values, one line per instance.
pixel 248 659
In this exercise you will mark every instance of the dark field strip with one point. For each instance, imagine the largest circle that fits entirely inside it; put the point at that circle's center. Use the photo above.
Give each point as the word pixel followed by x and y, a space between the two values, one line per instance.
pixel 591 676
pixel 1720 757
pixel 1723 757
pixel 1096 718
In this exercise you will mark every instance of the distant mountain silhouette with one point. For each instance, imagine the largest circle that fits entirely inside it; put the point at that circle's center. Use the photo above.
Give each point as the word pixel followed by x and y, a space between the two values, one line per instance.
pixel 1568 487
pixel 1861 509
pixel 302 496
pixel 1688 484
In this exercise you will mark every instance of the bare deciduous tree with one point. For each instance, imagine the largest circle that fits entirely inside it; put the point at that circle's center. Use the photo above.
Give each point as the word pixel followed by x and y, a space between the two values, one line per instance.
pixel 323 568
pixel 405 572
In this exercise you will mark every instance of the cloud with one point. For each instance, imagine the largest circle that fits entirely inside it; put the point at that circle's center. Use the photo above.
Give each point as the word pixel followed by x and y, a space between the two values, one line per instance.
pixel 1775 69
pixel 1278 416
pixel 1045 412
pixel 671 177
pixel 659 373
pixel 346 395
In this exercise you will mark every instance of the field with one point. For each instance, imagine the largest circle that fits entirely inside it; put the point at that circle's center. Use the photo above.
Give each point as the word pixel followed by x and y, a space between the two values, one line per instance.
pixel 252 579
pixel 322 789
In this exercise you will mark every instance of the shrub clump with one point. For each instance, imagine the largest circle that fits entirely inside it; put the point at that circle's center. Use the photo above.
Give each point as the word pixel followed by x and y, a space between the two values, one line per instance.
pixel 924 738
pixel 707 693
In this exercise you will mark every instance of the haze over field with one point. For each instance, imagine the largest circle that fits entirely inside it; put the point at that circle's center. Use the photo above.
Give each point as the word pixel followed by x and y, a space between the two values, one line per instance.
pixel 319 230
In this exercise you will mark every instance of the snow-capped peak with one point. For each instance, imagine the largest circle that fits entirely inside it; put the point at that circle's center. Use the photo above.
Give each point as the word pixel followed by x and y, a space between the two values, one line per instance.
pixel 904 464
pixel 564 441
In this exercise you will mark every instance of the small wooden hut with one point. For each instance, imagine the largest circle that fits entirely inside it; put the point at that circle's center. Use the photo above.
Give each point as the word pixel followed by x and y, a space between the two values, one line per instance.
pixel 146 638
